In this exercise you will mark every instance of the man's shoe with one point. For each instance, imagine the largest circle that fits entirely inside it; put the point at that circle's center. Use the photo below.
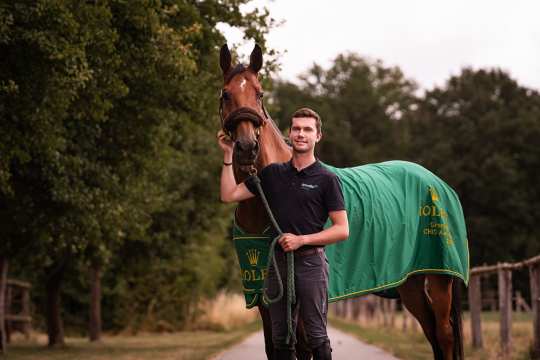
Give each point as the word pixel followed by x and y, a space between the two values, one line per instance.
pixel 284 354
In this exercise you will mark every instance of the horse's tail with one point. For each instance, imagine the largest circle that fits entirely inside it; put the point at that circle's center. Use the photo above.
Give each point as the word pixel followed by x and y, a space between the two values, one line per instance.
pixel 457 325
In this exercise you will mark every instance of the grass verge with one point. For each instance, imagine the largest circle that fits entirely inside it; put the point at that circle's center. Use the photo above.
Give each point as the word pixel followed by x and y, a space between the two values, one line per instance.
pixel 413 345
pixel 188 345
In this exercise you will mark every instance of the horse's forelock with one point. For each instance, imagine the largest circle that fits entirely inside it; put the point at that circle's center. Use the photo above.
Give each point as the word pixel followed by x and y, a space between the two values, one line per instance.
pixel 240 68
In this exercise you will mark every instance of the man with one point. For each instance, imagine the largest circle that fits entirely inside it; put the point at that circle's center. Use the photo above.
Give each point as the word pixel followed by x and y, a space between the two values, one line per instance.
pixel 302 195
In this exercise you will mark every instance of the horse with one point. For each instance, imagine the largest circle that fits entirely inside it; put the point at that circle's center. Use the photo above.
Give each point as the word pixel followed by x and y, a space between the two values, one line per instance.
pixel 433 299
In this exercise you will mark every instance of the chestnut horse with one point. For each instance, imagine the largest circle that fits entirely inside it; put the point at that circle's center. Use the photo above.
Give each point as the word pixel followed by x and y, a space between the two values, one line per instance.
pixel 433 299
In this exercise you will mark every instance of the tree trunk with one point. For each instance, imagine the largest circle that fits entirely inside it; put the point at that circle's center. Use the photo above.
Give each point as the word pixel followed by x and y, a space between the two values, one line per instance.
pixel 55 325
pixel 95 303
pixel 3 284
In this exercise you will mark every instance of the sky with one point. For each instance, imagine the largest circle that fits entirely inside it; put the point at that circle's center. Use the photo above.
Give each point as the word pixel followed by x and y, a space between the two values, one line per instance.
pixel 429 40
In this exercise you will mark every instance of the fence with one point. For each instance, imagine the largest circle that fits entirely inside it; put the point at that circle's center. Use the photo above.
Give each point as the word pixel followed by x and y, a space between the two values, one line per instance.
pixel 374 310
pixel 17 308
pixel 383 311
pixel 504 273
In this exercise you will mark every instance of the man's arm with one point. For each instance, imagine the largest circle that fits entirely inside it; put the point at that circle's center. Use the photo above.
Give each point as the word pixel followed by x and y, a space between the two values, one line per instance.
pixel 229 190
pixel 337 232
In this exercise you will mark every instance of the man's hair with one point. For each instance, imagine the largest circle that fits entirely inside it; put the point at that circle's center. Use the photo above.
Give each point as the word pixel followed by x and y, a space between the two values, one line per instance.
pixel 308 113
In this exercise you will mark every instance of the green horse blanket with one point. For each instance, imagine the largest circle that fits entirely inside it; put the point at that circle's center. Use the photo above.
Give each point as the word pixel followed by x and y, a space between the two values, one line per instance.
pixel 403 220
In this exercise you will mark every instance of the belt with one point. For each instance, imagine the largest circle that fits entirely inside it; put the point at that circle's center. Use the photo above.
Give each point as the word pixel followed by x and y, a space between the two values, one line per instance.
pixel 309 251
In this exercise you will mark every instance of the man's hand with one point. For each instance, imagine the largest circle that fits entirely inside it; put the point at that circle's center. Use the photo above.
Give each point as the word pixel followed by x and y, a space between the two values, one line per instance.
pixel 291 242
pixel 225 143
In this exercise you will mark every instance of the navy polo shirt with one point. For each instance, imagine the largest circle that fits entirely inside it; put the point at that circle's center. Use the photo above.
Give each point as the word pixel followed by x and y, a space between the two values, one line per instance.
pixel 300 200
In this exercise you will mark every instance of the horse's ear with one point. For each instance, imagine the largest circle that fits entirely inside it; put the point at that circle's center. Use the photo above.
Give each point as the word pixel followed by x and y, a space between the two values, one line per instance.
pixel 256 59
pixel 225 59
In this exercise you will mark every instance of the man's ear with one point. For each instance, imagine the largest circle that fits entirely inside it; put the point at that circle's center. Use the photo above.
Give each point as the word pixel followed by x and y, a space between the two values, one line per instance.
pixel 319 136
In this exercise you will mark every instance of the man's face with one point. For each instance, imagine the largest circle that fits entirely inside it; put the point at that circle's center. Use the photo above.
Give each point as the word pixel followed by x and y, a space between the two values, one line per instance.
pixel 303 134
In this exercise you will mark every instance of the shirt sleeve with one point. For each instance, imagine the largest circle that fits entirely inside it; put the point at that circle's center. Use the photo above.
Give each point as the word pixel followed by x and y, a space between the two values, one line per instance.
pixel 333 196
pixel 250 181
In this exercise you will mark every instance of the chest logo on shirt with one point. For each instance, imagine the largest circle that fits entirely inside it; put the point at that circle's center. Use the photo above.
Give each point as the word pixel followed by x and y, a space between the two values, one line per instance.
pixel 308 186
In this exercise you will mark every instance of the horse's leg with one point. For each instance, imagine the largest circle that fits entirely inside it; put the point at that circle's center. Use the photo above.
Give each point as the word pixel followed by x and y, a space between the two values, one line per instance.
pixel 440 292
pixel 267 330
pixel 413 297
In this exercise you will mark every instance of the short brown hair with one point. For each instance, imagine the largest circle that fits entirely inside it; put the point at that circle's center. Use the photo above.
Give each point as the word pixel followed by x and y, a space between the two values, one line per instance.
pixel 308 113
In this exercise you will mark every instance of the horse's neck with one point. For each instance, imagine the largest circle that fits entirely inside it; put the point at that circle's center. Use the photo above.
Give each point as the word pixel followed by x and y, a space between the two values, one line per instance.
pixel 273 146
pixel 251 215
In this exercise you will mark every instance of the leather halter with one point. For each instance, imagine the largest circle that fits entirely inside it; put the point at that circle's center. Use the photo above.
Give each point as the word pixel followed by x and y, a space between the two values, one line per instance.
pixel 229 123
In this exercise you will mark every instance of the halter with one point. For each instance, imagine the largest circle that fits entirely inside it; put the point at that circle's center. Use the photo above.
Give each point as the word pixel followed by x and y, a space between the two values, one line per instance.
pixel 229 123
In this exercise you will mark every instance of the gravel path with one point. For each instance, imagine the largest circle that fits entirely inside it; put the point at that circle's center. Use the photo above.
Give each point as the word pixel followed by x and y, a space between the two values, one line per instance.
pixel 344 346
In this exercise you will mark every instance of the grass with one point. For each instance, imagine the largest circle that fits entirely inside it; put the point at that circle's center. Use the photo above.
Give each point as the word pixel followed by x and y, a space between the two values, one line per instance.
pixel 188 345
pixel 225 312
pixel 412 344
pixel 224 321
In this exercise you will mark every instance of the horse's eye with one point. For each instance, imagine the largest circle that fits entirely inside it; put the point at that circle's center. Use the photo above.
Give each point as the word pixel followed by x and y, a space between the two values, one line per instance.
pixel 225 95
pixel 260 95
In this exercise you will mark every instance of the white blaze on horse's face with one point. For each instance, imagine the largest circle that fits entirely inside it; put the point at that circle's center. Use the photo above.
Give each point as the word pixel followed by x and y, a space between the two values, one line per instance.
pixel 303 134
pixel 243 85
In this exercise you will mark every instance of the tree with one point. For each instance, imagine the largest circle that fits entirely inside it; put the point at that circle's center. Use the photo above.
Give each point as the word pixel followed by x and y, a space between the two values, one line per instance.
pixel 361 103
pixel 109 112
pixel 479 133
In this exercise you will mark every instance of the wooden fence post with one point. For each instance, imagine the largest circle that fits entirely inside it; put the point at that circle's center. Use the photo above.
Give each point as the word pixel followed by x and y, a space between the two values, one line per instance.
pixel 505 308
pixel 534 272
pixel 404 317
pixel 393 305
pixel 25 311
pixel 384 312
pixel 356 309
pixel 475 307
pixel 3 285
pixel 8 309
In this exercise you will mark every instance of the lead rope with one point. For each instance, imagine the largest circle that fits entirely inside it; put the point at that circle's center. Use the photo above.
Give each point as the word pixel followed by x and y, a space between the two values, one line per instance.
pixel 291 295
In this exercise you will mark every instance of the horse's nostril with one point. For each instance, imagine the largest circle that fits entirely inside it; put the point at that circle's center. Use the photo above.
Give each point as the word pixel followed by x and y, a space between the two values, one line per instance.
pixel 238 146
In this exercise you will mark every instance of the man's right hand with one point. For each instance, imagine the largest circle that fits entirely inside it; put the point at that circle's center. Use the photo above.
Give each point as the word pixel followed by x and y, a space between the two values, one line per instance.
pixel 225 142
pixel 229 190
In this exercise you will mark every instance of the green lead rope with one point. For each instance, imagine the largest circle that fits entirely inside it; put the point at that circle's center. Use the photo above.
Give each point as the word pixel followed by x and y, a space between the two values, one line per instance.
pixel 291 295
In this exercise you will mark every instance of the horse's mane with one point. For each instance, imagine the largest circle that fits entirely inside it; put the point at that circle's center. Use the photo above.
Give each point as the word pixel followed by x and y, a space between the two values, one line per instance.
pixel 276 128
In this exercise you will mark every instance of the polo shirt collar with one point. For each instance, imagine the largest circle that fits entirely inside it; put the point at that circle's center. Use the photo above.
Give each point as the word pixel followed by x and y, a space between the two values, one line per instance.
pixel 310 170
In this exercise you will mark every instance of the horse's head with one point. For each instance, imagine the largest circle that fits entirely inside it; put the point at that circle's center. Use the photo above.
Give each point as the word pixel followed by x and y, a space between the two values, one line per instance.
pixel 241 107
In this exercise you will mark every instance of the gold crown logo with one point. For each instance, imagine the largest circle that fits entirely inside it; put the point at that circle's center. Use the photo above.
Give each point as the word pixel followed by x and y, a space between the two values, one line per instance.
pixel 434 195
pixel 253 256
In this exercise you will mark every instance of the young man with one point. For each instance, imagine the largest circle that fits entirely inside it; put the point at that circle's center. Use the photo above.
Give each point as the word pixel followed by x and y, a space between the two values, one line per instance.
pixel 302 195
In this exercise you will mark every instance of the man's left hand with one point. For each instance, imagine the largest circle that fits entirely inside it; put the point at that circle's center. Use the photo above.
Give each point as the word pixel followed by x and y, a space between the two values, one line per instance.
pixel 290 242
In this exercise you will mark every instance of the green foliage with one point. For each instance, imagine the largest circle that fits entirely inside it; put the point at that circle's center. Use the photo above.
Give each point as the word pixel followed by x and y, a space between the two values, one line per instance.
pixel 480 133
pixel 108 154
pixel 108 116
pixel 359 101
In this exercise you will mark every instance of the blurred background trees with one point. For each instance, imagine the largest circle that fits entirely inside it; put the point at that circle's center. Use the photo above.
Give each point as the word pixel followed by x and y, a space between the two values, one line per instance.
pixel 109 168
pixel 108 165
